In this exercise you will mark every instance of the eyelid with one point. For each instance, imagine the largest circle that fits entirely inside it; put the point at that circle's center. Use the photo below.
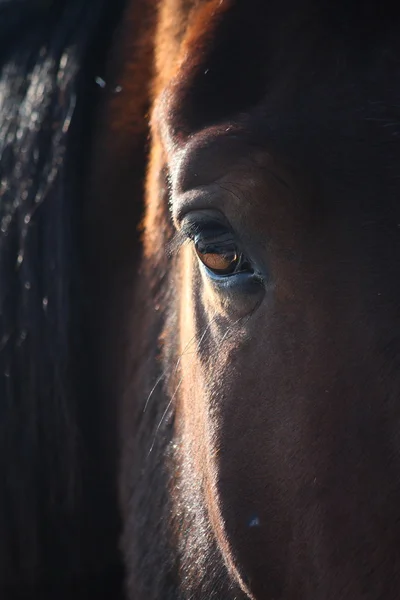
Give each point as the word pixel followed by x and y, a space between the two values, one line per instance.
pixel 202 199
pixel 193 226
pixel 205 214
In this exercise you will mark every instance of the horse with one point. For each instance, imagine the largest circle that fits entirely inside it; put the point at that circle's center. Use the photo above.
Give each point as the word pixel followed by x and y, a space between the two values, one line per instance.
pixel 245 341
pixel 251 332
pixel 59 518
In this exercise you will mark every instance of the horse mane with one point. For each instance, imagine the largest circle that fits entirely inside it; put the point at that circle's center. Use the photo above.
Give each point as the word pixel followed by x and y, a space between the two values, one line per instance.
pixel 50 53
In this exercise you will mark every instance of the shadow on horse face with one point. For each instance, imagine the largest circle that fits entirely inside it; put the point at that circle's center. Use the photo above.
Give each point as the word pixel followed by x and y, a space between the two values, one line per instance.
pixel 287 406
pixel 264 462
pixel 288 397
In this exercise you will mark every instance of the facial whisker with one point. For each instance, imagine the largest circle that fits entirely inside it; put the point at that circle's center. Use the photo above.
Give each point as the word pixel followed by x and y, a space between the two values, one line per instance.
pixel 164 415
pixel 164 373
pixel 170 402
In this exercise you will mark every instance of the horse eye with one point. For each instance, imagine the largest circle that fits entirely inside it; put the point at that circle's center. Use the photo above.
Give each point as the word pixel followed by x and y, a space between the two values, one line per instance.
pixel 222 260
pixel 215 244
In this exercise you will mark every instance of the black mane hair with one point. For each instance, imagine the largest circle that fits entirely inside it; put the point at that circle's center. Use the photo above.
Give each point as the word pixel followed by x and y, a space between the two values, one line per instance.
pixel 58 517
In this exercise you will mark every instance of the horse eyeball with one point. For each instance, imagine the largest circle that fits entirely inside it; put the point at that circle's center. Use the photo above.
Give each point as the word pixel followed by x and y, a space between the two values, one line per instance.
pixel 219 263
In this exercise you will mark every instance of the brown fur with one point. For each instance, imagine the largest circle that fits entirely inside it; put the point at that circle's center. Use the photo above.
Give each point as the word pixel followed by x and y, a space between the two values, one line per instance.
pixel 260 452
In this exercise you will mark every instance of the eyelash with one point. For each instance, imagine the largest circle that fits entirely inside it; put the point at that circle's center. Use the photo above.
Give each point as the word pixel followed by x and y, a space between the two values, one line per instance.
pixel 188 232
pixel 185 235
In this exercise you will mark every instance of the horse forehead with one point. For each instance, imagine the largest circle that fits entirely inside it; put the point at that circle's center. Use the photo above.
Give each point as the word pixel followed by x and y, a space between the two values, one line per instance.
pixel 332 139
pixel 292 114
pixel 335 121
pixel 302 85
